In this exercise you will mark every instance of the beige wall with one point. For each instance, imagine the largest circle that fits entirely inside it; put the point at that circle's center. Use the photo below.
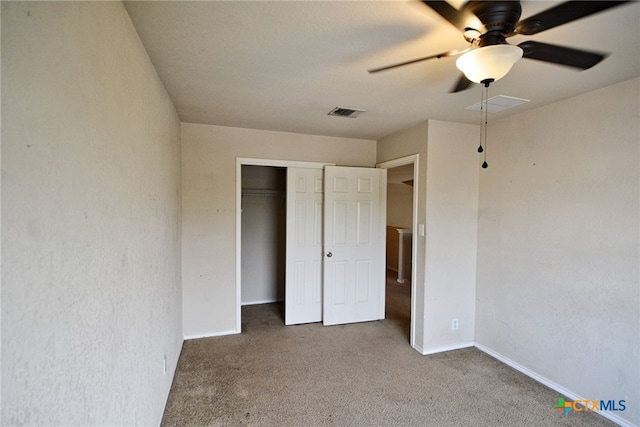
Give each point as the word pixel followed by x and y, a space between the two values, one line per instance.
pixel 447 204
pixel 400 205
pixel 402 144
pixel 209 209
pixel 451 241
pixel 90 220
pixel 558 251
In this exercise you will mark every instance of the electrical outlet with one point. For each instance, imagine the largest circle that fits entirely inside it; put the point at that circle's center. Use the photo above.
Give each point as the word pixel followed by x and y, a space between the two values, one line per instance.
pixel 164 364
pixel 454 324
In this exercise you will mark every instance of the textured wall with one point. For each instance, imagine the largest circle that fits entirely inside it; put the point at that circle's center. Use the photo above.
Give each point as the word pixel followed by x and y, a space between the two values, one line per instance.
pixel 447 205
pixel 452 235
pixel 402 144
pixel 90 220
pixel 558 251
pixel 209 209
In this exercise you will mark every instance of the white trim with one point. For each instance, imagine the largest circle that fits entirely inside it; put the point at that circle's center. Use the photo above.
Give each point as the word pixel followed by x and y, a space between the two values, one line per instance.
pixel 210 335
pixel 382 225
pixel 444 348
pixel 418 349
pixel 552 385
pixel 239 164
pixel 402 161
pixel 282 163
pixel 241 161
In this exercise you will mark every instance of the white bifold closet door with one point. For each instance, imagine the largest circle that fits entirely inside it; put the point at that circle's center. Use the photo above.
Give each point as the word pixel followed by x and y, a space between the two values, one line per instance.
pixel 354 244
pixel 336 225
pixel 303 277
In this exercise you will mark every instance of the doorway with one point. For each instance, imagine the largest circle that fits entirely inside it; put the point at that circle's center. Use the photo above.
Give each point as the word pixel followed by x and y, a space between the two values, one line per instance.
pixel 398 247
pixel 402 224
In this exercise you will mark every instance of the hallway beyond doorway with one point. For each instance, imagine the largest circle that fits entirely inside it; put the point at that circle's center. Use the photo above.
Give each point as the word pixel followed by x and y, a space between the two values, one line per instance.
pixel 398 304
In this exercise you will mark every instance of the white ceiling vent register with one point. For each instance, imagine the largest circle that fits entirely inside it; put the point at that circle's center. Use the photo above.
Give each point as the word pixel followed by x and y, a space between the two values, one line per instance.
pixel 346 112
pixel 498 103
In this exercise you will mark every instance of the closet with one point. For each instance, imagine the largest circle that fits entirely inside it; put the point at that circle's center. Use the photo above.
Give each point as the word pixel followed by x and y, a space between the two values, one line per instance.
pixel 263 234
pixel 284 230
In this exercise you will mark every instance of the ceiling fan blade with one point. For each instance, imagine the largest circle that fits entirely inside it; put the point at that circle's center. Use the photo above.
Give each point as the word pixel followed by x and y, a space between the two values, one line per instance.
pixel 562 55
pixel 457 18
pixel 413 61
pixel 462 84
pixel 562 14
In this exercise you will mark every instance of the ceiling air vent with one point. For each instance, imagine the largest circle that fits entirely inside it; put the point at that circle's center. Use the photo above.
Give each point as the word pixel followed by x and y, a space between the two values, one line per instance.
pixel 498 103
pixel 346 112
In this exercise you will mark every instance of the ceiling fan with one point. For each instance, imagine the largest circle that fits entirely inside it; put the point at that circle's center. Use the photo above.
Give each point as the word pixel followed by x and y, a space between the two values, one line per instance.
pixel 486 25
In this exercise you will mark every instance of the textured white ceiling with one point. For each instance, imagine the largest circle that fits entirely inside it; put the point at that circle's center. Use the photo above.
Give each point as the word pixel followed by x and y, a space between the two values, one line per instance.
pixel 283 65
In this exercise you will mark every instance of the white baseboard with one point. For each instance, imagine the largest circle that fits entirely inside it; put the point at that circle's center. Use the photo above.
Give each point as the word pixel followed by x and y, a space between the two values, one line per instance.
pixel 444 348
pixel 210 335
pixel 418 349
pixel 552 385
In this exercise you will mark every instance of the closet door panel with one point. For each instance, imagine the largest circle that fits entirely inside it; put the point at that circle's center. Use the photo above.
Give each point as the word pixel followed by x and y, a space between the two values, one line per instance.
pixel 303 278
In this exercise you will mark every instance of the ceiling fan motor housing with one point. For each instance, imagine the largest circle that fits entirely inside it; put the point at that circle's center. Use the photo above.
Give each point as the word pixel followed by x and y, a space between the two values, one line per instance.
pixel 496 16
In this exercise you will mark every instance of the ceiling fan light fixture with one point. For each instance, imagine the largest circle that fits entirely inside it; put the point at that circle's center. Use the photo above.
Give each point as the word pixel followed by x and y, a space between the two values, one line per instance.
pixel 489 62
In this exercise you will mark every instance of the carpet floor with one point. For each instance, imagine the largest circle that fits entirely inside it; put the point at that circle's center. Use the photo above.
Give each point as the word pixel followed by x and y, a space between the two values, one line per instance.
pixel 362 374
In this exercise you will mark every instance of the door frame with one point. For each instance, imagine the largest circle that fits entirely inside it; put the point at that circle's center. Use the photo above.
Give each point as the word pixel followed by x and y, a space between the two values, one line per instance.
pixel 246 161
pixel 403 161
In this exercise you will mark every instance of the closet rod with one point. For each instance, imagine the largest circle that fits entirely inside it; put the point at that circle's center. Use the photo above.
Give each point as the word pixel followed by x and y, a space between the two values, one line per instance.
pixel 258 192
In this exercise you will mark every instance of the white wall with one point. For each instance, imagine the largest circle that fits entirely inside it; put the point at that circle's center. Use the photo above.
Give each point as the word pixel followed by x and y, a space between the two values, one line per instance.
pixel 91 297
pixel 558 250
pixel 209 209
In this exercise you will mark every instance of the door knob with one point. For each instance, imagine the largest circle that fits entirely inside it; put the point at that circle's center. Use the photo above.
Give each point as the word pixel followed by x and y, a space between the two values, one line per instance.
pixel 329 254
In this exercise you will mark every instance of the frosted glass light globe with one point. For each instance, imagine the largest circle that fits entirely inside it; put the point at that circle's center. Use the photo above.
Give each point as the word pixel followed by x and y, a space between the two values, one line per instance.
pixel 489 62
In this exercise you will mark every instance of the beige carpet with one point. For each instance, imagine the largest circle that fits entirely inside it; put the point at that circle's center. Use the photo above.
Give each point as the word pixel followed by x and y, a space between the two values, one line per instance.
pixel 351 375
